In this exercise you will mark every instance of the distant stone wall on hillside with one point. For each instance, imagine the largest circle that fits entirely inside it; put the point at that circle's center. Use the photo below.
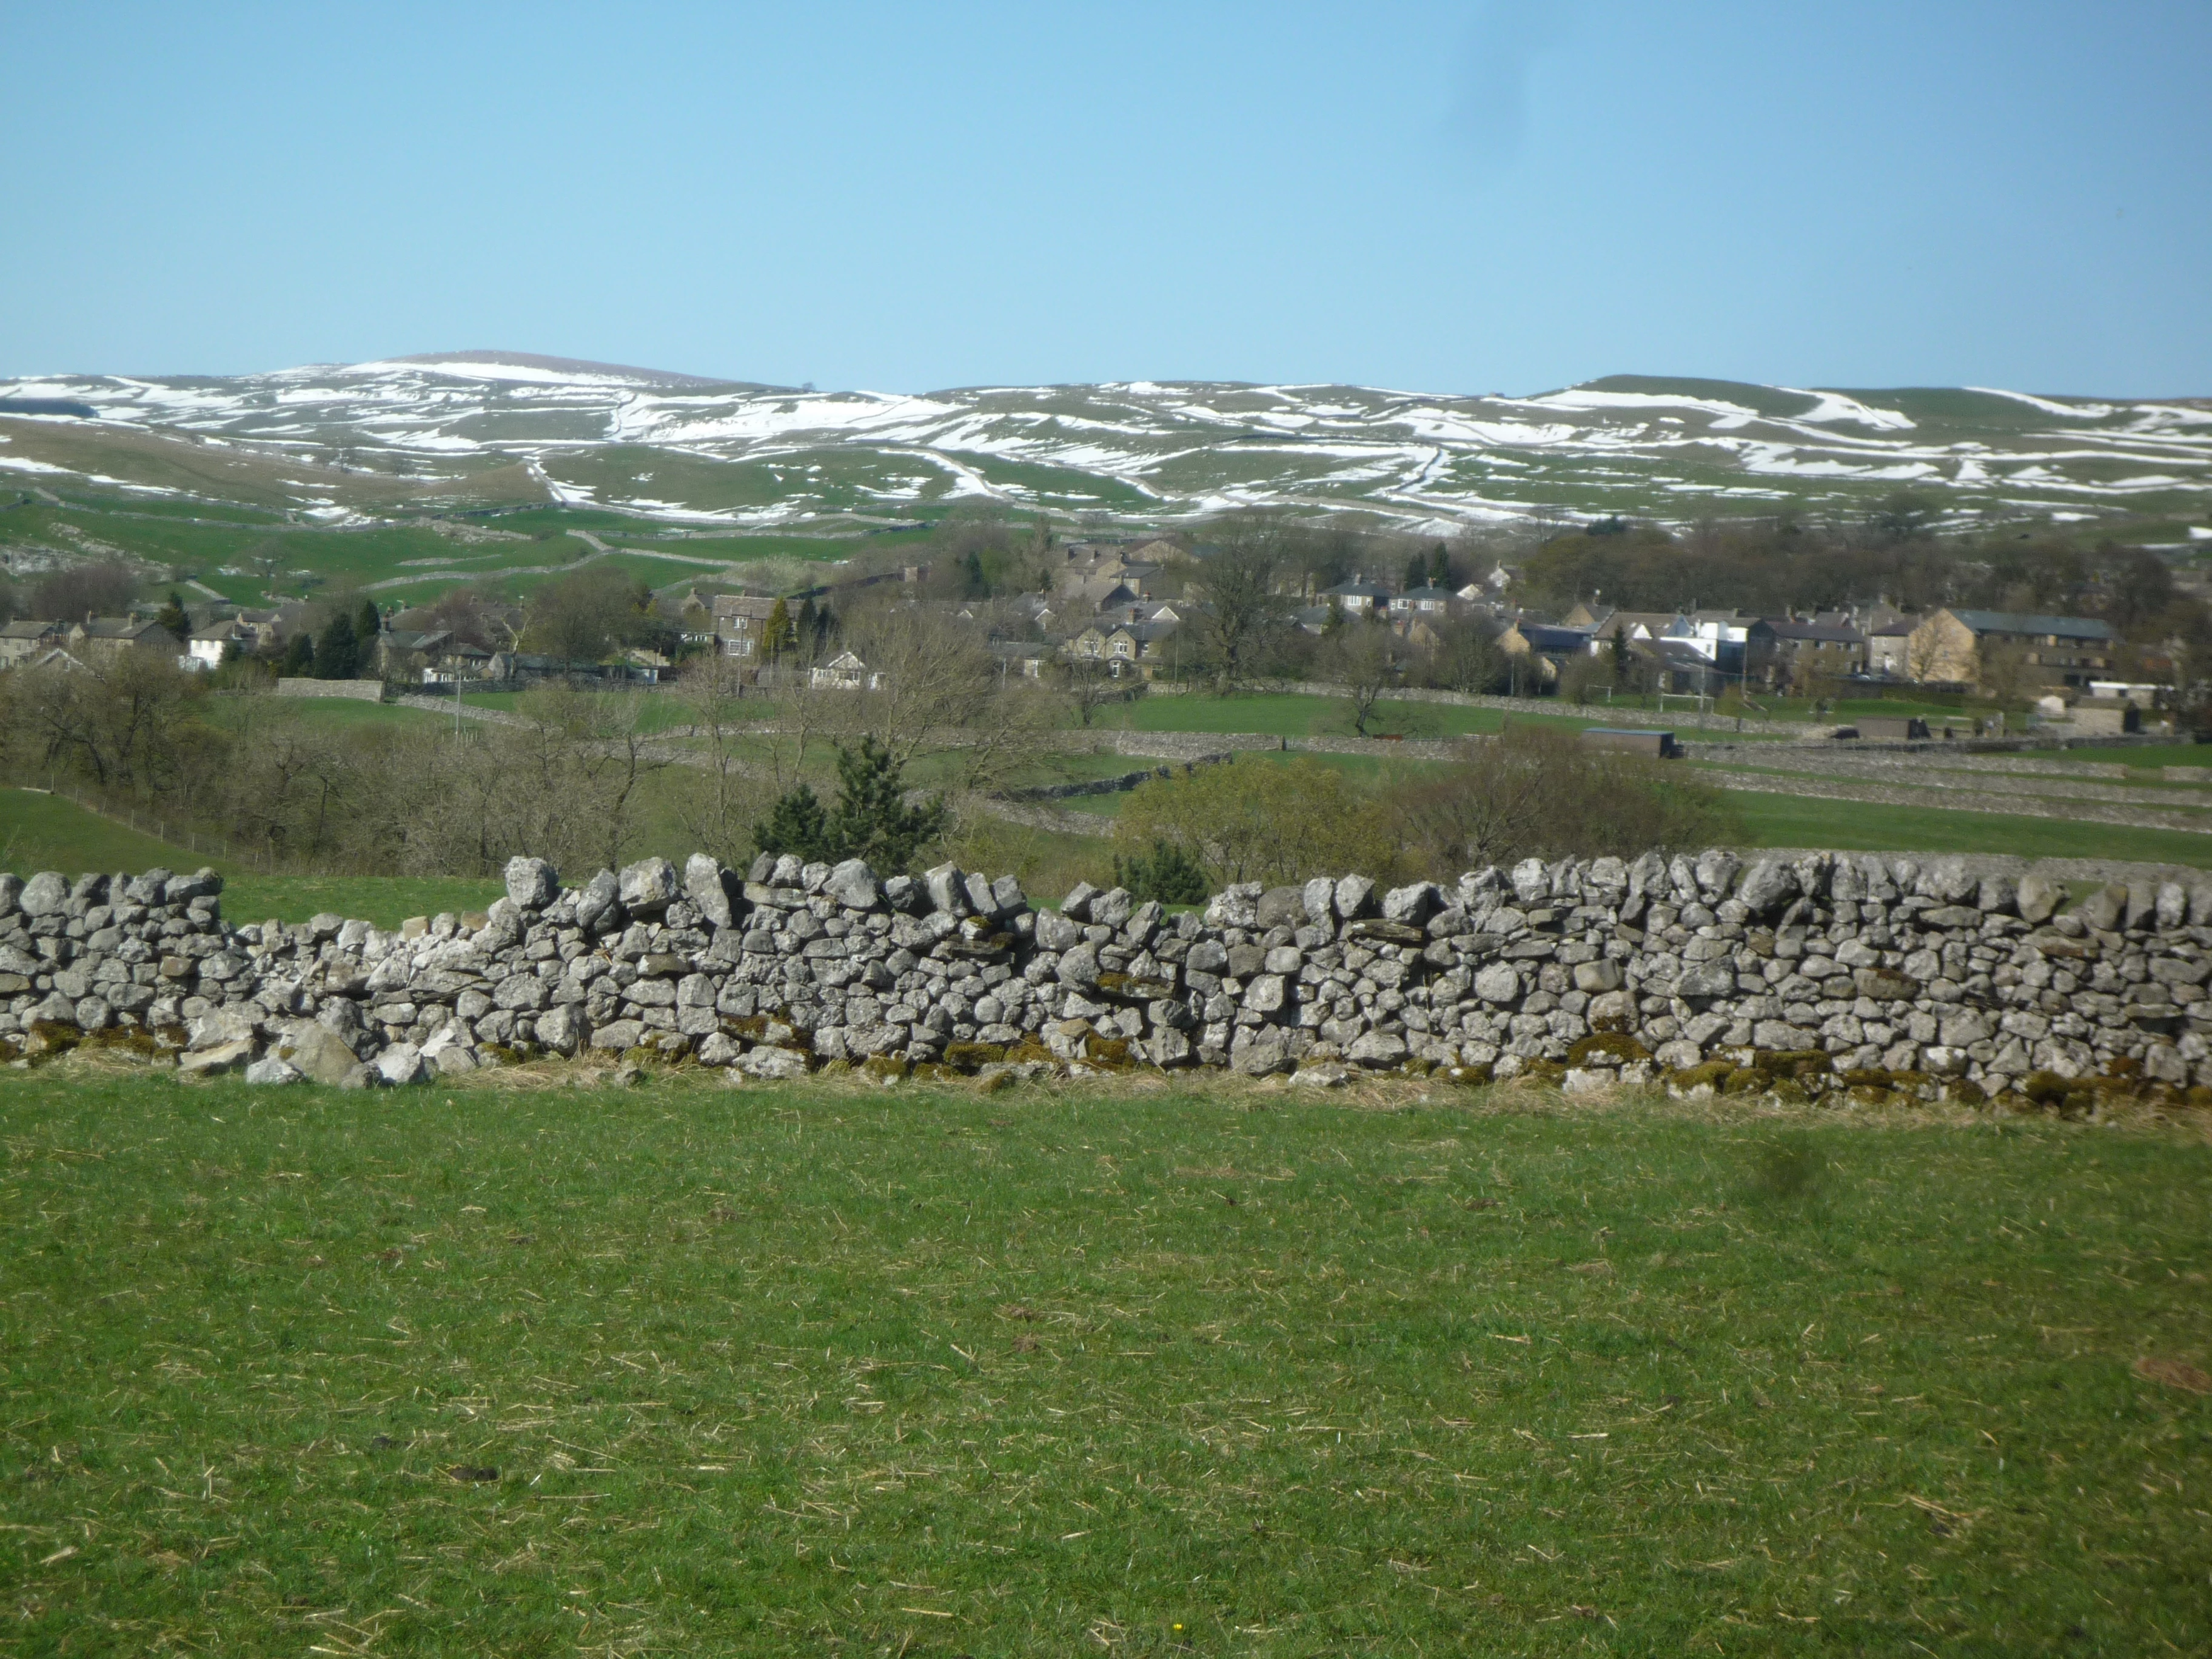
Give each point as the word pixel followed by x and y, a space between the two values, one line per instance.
pixel 359 690
pixel 1822 975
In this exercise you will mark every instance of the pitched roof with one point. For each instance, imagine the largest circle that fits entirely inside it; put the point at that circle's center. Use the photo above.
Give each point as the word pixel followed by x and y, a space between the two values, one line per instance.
pixel 118 628
pixel 1813 633
pixel 1675 654
pixel 1549 636
pixel 2022 622
pixel 752 606
pixel 26 628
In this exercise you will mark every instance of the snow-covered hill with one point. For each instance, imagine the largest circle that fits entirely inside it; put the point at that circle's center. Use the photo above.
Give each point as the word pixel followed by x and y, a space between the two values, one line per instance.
pixel 688 450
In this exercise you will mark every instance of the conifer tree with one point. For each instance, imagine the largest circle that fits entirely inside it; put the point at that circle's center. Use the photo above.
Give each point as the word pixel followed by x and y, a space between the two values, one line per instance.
pixel 871 820
pixel 337 653
pixel 795 825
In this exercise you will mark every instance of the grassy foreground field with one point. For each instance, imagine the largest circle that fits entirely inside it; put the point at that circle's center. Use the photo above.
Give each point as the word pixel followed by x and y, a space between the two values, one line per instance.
pixel 688 1368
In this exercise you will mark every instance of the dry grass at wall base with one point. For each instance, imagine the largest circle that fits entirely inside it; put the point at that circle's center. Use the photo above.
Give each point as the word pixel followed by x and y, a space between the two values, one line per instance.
pixel 1146 1364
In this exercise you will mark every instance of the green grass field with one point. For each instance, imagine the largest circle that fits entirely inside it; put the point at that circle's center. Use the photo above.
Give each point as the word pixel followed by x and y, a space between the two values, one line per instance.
pixel 387 901
pixel 1847 825
pixel 1294 714
pixel 659 711
pixel 243 553
pixel 39 831
pixel 1773 820
pixel 695 1370
pixel 47 832
pixel 1368 771
pixel 345 712
pixel 2151 754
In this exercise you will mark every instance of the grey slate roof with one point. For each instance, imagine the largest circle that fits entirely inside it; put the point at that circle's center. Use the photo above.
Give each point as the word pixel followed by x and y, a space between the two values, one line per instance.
pixel 2022 622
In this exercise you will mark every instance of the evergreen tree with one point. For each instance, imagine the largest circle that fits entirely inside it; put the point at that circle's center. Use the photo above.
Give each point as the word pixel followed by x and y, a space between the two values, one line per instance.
pixel 1166 873
pixel 368 624
pixel 776 637
pixel 871 820
pixel 1439 566
pixel 1417 571
pixel 173 616
pixel 298 659
pixel 806 630
pixel 337 653
pixel 796 824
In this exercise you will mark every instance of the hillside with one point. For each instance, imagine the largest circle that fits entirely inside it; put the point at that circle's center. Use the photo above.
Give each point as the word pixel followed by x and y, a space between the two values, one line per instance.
pixel 411 436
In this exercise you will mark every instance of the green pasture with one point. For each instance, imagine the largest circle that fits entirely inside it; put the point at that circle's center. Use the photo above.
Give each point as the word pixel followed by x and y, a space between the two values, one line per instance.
pixel 387 901
pixel 1297 714
pixel 2150 755
pixel 346 714
pixel 48 832
pixel 738 548
pixel 1848 825
pixel 1368 770
pixel 266 551
pixel 1167 1369
pixel 40 831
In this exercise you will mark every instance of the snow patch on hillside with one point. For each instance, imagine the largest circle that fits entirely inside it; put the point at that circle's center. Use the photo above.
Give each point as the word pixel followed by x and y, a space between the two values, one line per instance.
pixel 1188 447
pixel 1835 406
pixel 2072 411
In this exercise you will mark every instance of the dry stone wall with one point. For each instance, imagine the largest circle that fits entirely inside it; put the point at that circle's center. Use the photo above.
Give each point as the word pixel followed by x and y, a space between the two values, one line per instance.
pixel 1823 973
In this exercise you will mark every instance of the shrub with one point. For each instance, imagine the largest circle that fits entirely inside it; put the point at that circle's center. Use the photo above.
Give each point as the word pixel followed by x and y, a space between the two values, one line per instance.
pixel 1535 792
pixel 1167 873
pixel 1256 820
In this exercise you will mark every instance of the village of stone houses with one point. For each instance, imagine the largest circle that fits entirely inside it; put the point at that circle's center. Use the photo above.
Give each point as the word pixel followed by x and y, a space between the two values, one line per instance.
pixel 1019 799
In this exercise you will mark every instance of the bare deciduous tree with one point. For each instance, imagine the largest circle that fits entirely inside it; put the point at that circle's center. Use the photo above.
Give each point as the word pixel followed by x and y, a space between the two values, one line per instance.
pixel 1238 584
pixel 1363 656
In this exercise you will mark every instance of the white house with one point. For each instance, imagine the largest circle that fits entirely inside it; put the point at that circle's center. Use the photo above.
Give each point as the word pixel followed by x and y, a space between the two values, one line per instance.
pixel 1719 636
pixel 204 650
pixel 845 673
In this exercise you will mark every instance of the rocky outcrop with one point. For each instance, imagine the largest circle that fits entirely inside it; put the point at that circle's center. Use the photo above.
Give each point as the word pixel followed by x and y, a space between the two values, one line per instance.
pixel 1822 973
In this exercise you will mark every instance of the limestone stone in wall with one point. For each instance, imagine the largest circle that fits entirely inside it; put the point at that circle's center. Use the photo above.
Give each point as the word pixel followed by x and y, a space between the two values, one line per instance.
pixel 1849 968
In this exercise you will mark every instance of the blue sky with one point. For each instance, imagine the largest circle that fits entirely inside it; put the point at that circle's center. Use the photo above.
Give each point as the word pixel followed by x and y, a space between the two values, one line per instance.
pixel 1457 198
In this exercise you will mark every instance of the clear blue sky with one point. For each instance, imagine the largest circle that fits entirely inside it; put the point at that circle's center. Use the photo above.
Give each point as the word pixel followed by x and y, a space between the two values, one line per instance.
pixel 1460 198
